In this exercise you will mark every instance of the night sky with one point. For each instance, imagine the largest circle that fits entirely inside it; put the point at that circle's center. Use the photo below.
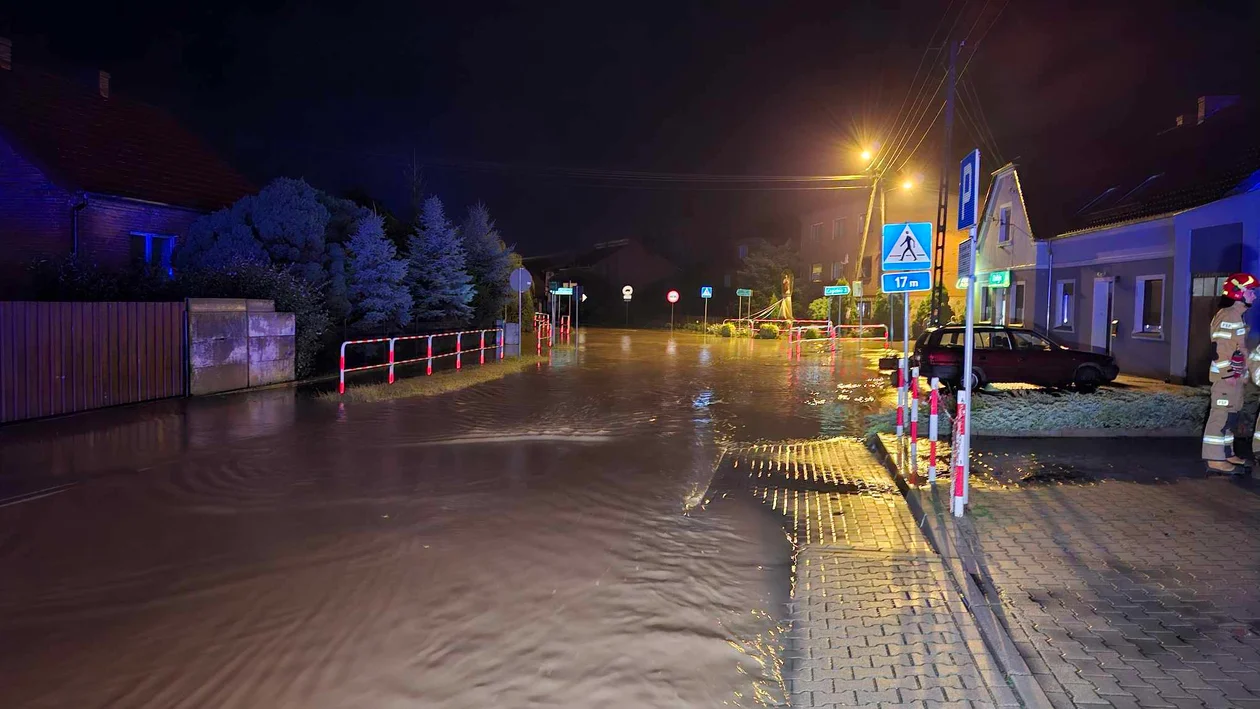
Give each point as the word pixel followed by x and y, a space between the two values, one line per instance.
pixel 498 102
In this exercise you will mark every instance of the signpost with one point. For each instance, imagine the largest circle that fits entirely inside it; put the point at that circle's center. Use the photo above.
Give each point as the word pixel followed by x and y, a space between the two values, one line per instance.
pixel 838 292
pixel 907 267
pixel 672 297
pixel 740 294
pixel 626 293
pixel 968 211
pixel 521 281
pixel 857 293
pixel 563 290
pixel 706 292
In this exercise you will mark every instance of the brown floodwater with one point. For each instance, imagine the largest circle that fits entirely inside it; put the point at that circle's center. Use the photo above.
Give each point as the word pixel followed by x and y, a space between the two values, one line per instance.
pixel 522 543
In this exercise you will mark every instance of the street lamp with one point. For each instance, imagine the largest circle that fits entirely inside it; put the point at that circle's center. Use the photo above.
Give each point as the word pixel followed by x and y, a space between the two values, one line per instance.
pixel 866 156
pixel 907 184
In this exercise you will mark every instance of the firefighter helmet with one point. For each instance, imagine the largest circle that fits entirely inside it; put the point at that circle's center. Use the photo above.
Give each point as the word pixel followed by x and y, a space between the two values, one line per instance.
pixel 1238 284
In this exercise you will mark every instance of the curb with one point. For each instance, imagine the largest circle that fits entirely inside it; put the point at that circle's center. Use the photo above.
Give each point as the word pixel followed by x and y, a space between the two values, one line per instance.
pixel 1093 433
pixel 951 538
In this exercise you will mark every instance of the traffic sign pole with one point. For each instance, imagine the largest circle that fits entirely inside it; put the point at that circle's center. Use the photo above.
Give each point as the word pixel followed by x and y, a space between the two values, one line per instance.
pixel 963 445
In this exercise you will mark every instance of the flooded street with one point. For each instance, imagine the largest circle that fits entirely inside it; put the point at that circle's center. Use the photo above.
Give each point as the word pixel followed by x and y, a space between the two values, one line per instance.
pixel 523 543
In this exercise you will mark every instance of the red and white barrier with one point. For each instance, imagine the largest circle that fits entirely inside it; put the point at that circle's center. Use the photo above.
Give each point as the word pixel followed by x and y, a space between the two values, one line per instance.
pixel 391 362
pixel 901 397
pixel 914 421
pixel 958 495
pixel 934 402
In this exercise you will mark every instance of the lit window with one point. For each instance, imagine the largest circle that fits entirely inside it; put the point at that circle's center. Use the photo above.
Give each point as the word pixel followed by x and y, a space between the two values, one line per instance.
pixel 1148 310
pixel 153 250
pixel 1065 304
pixel 815 272
pixel 743 251
pixel 1004 225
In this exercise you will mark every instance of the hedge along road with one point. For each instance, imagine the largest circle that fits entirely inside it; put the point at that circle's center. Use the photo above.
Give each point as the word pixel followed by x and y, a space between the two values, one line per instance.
pixel 522 542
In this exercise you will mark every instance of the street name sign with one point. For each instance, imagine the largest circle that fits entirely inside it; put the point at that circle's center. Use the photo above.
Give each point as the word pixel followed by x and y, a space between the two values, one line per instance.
pixel 743 292
pixel 835 290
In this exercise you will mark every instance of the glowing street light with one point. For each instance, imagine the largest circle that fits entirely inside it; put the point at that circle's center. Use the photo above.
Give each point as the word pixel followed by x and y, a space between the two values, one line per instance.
pixel 907 185
pixel 866 156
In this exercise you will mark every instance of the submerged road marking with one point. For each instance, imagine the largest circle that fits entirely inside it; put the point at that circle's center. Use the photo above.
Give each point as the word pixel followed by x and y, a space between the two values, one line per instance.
pixel 38 494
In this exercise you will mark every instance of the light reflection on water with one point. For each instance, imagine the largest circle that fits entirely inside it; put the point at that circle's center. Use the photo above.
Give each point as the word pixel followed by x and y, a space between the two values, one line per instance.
pixel 519 543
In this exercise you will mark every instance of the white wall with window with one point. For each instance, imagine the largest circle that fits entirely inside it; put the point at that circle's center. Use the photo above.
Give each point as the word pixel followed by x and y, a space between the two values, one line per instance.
pixel 1065 305
pixel 1004 224
pixel 1148 305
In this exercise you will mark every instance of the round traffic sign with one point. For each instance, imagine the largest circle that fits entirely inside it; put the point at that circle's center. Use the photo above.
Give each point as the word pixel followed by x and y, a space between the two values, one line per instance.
pixel 627 290
pixel 672 296
pixel 520 280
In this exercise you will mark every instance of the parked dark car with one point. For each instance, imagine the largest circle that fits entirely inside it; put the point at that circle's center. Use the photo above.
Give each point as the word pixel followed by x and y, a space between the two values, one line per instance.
pixel 1010 354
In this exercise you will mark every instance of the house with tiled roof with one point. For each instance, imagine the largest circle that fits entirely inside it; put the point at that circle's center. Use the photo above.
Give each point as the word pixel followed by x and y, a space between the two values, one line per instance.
pixel 1129 257
pixel 86 172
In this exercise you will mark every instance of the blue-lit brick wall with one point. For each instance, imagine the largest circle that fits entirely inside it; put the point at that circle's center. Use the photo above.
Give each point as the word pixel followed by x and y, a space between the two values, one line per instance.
pixel 105 227
pixel 36 220
pixel 34 216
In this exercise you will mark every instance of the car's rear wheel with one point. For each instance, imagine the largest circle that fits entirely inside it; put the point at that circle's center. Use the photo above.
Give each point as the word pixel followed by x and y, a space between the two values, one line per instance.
pixel 977 381
pixel 1088 379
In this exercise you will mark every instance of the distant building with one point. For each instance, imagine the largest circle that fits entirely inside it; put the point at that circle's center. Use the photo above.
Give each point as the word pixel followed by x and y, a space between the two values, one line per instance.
pixel 83 171
pixel 602 269
pixel 833 245
pixel 1131 258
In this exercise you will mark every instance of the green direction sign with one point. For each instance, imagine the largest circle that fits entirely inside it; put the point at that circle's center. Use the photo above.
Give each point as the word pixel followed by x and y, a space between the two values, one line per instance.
pixel 743 292
pixel 835 290
pixel 564 290
pixel 999 279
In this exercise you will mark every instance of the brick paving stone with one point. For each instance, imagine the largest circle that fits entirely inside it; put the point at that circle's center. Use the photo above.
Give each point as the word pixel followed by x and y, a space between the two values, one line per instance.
pixel 875 619
pixel 1125 588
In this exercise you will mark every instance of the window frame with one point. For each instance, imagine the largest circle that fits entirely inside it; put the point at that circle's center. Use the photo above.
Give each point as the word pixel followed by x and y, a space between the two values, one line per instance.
pixel 1004 224
pixel 1018 304
pixel 838 228
pixel 165 261
pixel 1061 325
pixel 815 232
pixel 743 251
pixel 1139 303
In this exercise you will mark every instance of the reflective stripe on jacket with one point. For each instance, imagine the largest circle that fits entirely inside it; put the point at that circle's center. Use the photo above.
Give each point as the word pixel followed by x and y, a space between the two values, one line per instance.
pixel 1229 336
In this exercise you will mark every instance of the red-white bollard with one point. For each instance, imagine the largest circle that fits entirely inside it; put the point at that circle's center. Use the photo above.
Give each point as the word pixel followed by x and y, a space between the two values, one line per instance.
pixel 934 402
pixel 458 356
pixel 901 398
pixel 914 420
pixel 959 449
pixel 391 360
pixel 428 367
pixel 481 349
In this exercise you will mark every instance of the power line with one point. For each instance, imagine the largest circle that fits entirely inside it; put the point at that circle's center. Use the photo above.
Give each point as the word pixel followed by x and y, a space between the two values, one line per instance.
pixel 976 48
pixel 897 117
pixel 921 139
pixel 984 119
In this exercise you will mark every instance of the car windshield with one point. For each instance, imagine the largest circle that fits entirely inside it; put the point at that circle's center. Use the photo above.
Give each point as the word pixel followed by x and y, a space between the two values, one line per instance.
pixel 1025 340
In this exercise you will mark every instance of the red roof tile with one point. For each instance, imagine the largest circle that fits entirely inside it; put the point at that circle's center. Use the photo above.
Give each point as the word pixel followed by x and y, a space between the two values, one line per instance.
pixel 112 145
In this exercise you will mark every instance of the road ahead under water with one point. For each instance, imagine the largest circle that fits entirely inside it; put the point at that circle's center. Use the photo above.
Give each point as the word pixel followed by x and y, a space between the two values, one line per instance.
pixel 521 543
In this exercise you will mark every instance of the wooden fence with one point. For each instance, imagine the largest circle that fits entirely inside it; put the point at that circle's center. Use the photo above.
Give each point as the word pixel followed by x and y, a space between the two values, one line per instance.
pixel 58 358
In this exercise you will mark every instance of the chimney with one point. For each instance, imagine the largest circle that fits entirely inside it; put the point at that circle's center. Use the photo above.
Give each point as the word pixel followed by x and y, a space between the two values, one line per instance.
pixel 6 53
pixel 1210 105
pixel 102 83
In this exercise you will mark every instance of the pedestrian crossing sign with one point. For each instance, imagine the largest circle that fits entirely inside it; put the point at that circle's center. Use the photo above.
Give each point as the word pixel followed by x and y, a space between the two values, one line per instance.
pixel 907 247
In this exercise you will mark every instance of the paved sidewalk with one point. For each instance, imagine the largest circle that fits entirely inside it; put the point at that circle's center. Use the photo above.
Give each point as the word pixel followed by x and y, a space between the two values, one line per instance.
pixel 876 622
pixel 1127 577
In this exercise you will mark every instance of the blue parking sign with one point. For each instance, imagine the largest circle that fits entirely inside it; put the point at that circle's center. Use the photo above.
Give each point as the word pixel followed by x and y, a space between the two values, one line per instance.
pixel 968 189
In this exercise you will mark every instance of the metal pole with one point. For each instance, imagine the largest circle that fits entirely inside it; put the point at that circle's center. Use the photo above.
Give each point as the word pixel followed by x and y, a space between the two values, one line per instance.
pixel 914 423
pixel 341 384
pixel 706 316
pixel 963 468
pixel 671 318
pixel 391 359
pixel 934 401
pixel 577 308
pixel 859 309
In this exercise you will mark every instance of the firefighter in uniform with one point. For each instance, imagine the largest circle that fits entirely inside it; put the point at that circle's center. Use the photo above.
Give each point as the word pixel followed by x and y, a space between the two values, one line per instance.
pixel 1228 372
